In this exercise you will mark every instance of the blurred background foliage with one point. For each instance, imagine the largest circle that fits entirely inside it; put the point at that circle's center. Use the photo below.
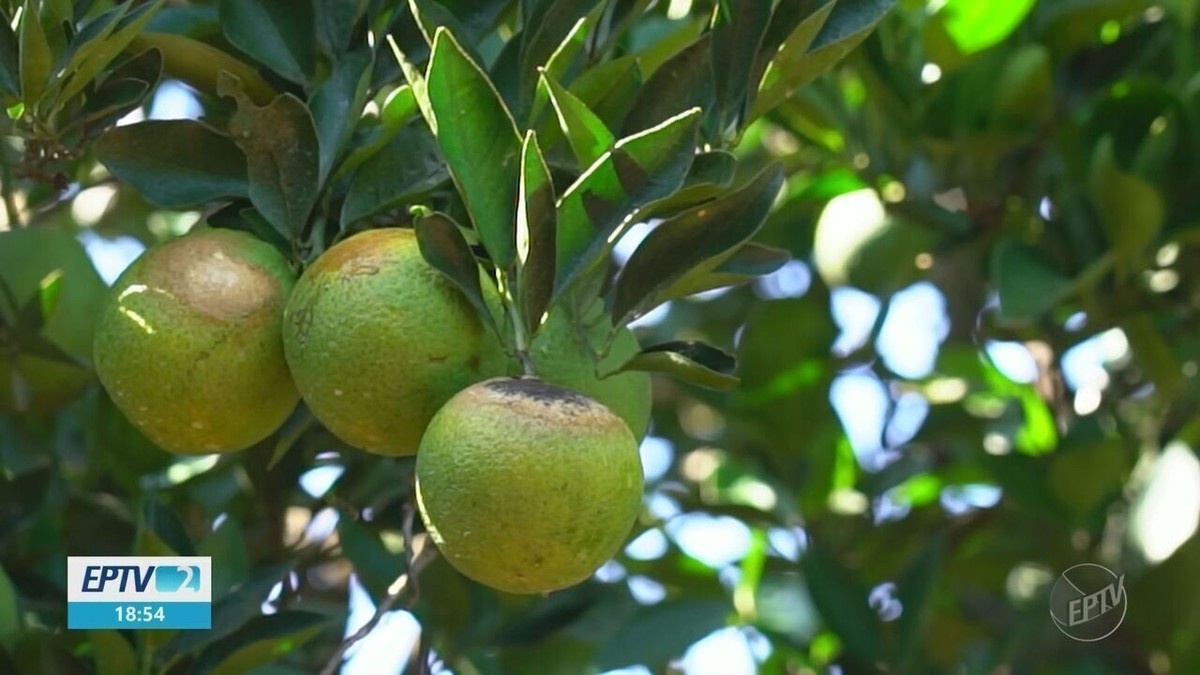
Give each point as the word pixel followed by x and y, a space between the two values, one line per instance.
pixel 978 370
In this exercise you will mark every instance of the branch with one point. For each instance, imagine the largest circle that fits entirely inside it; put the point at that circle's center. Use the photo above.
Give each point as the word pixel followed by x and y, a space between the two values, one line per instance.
pixel 405 586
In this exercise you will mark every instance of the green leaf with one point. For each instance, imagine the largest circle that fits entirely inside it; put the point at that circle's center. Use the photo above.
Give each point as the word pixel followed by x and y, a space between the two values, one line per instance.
pixel 36 58
pixel 659 633
pixel 975 26
pixel 115 98
pixel 680 244
pixel 163 522
pixel 746 264
pixel 915 591
pixel 804 56
pixel 229 612
pixel 1132 210
pixel 94 56
pixel 408 168
pixel 709 174
pixel 685 81
pixel 337 105
pixel 394 114
pixel 282 155
pixel 263 640
pixel 335 20
pixel 535 235
pixel 587 135
pixel 114 655
pixel 1152 352
pixel 842 602
pixel 1028 285
pixel 609 88
pixel 549 26
pixel 279 34
pixel 638 170
pixel 559 64
pixel 373 562
pixel 37 310
pixel 227 544
pixel 737 34
pixel 148 156
pixel 696 362
pixel 480 142
pixel 10 61
pixel 10 610
pixel 444 247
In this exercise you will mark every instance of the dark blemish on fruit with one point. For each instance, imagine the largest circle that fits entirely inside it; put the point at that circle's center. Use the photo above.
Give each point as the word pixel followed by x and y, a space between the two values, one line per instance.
pixel 537 390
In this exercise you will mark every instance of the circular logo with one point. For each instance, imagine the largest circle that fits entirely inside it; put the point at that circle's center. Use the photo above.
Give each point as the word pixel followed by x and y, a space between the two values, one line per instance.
pixel 1088 602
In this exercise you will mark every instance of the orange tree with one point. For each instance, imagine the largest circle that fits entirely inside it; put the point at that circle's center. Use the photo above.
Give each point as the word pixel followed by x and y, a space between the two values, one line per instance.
pixel 716 174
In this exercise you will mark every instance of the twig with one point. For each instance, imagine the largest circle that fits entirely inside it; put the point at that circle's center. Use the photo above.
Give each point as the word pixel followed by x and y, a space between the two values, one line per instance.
pixel 407 581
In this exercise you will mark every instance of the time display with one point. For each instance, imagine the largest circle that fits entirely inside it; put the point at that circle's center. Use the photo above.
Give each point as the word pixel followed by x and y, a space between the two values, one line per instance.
pixel 140 613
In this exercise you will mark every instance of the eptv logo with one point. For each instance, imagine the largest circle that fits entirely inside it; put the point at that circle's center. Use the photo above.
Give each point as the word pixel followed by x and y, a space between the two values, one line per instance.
pixel 167 579
pixel 139 592
pixel 1088 602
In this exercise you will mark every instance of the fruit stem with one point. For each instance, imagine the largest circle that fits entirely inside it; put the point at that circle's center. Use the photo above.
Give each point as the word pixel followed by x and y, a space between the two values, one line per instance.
pixel 522 347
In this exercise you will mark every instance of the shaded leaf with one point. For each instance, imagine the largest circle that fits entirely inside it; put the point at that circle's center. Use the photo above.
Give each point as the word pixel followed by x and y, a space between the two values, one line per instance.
pixel 163 522
pixel 394 114
pixel 262 640
pixel 549 26
pixel 229 612
pixel 609 88
pixel 10 61
pixel 680 244
pixel 747 263
pixel 279 141
pixel 804 56
pixel 200 65
pixel 696 362
pixel 657 634
pixel 535 235
pixel 710 172
pixel 685 81
pixel 587 135
pixel 408 168
pixel 335 20
pixel 95 55
pixel 1132 210
pixel 639 169
pixel 175 163
pixel 737 34
pixel 843 604
pixel 444 247
pixel 10 610
pixel 1027 284
pixel 114 655
pixel 374 564
pixel 36 58
pixel 479 139
pixel 337 104
pixel 279 34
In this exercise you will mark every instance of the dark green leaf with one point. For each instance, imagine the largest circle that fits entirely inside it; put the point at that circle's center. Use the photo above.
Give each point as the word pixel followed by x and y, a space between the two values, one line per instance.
pixel 282 155
pixel 680 244
pixel 697 362
pixel 38 308
pixel 639 169
pixel 279 34
pixel 396 111
pixel 843 604
pixel 736 37
pixel 657 634
pixel 805 55
pixel 915 593
pixel 586 133
pixel 1028 285
pixel 36 344
pixel 175 163
pixel 373 563
pixel 95 55
pixel 166 526
pixel 264 639
pixel 115 98
pixel 746 264
pixel 685 81
pixel 405 170
pixel 230 612
pixel 114 655
pixel 337 105
pixel 300 421
pixel 709 174
pixel 609 88
pixel 549 25
pixel 1132 210
pixel 10 610
pixel 228 545
pixel 35 56
pixel 443 247
pixel 335 21
pixel 480 142
pixel 535 235
pixel 10 61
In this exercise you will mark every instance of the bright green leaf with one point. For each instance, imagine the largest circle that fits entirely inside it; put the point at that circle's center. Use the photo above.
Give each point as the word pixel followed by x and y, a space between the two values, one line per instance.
pixel 975 26
pixel 588 136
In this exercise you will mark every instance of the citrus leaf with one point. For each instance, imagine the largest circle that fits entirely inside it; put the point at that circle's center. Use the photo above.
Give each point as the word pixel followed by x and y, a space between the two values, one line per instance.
pixel 975 26
pixel 560 63
pixel 685 81
pixel 10 611
pixel 36 58
pixel 279 141
pixel 406 169
pixel 535 235
pixel 661 632
pixel 1131 209
pixel 479 139
pixel 444 248
pixel 200 65
pixel 697 362
pixel 687 240
pixel 114 655
pixel 163 522
pixel 804 56
pixel 737 34
pixel 338 103
pixel 638 170
pixel 747 263
pixel 261 640
pixel 35 344
pixel 175 163
pixel 279 34
pixel 38 308
pixel 397 109
pixel 114 99
pixel 96 54
pixel 709 174
pixel 587 135
pixel 297 424
pixel 335 22
pixel 842 603
pixel 375 565
pixel 550 25
pixel 1028 285
pixel 609 88
pixel 230 612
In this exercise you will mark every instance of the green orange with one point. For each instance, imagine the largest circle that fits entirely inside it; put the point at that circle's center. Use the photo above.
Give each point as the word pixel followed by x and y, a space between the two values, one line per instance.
pixel 377 340
pixel 188 344
pixel 526 486
pixel 27 258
